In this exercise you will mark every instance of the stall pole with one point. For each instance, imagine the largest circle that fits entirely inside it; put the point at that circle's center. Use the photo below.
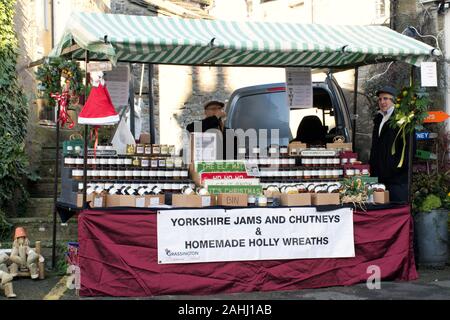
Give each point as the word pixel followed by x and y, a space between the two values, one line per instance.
pixel 86 129
pixel 411 144
pixel 55 188
pixel 131 102
pixel 151 104
pixel 355 107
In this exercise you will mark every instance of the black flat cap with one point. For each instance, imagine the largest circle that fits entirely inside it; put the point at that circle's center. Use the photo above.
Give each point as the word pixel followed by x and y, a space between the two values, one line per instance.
pixel 387 89
pixel 213 102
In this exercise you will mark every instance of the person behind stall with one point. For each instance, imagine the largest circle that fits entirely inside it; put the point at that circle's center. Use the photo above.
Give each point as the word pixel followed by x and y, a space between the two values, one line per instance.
pixel 311 131
pixel 213 117
pixel 214 114
pixel 384 164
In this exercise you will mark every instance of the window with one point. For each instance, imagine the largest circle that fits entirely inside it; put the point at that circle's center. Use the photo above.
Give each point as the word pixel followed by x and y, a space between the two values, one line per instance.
pixel 380 8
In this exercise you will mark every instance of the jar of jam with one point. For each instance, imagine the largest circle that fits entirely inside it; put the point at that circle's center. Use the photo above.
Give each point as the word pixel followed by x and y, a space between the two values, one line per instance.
pixel 329 161
pixel 322 173
pixel 130 149
pixel 112 161
pixel 103 172
pixel 350 172
pixel 344 160
pixel 69 161
pixel 128 161
pixel 171 150
pixel 95 174
pixel 168 174
pixel 147 149
pixel 112 173
pixel 177 174
pixel 315 162
pixel 152 174
pixel 137 173
pixel 121 172
pixel 164 149
pixel 307 174
pixel 329 173
pixel 170 163
pixel 79 162
pixel 299 173
pixel 154 163
pixel 160 173
pixel 307 162
pixel 178 163
pixel 145 162
pixel 322 162
pixel 103 160
pixel 128 172
pixel 184 173
pixel 284 151
pixel 291 162
pixel 156 150
pixel 161 163
pixel 292 174
pixel 336 161
pixel 139 149
pixel 136 162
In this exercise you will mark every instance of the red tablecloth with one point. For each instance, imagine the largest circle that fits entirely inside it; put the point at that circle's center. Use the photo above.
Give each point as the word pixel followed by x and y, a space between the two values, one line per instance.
pixel 118 257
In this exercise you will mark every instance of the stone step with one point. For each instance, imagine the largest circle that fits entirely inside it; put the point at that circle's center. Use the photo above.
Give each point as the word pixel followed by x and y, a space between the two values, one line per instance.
pixel 39 208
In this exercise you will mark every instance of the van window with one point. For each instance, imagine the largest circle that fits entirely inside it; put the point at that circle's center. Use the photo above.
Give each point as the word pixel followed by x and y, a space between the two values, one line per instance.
pixel 296 116
pixel 263 111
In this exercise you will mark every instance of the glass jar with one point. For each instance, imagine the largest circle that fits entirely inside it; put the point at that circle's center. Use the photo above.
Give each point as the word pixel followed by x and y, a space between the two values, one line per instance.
pixel 161 163
pixel 350 172
pixel 170 163
pixel 177 174
pixel 145 162
pixel 329 173
pixel 103 160
pixel 160 173
pixel 284 162
pixel 103 172
pixel 164 149
pixel 128 161
pixel 145 173
pixel 307 162
pixel 184 173
pixel 344 161
pixel 136 162
pixel 139 149
pixel 154 163
pixel 171 150
pixel 168 174
pixel 315 162
pixel 112 173
pixel 79 162
pixel 330 161
pixel 284 151
pixel 95 174
pixel 299 173
pixel 130 149
pixel 77 174
pixel 322 162
pixel 291 162
pixel 292 174
pixel 156 150
pixel 69 161
pixel 178 162
pixel 137 173
pixel 128 172
pixel 147 149
pixel 336 161
pixel 307 174
pixel 121 172
pixel 322 173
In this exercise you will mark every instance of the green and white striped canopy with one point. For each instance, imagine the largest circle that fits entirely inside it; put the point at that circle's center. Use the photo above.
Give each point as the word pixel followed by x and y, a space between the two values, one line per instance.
pixel 167 40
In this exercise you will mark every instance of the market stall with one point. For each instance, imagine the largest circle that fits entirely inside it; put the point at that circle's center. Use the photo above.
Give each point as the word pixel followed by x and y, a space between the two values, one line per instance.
pixel 118 247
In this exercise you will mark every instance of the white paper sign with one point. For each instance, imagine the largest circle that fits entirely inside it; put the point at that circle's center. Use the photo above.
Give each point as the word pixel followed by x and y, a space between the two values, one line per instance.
pixel 154 201
pixel 299 90
pixel 98 202
pixel 428 74
pixel 117 82
pixel 206 201
pixel 254 234
pixel 140 202
pixel 205 146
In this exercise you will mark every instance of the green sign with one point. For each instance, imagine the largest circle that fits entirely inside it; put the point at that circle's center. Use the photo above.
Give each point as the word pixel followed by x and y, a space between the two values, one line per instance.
pixel 367 179
pixel 220 166
pixel 426 155
pixel 256 190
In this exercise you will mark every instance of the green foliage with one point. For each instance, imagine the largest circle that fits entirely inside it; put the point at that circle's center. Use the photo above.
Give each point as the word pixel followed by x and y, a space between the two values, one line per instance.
pixel 49 76
pixel 355 187
pixel 13 113
pixel 431 202
pixel 427 187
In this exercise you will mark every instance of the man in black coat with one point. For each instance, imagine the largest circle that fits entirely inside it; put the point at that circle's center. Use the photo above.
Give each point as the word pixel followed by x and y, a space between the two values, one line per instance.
pixel 384 164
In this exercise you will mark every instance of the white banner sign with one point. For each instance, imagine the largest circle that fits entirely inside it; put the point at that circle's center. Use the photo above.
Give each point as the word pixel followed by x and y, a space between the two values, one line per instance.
pixel 187 236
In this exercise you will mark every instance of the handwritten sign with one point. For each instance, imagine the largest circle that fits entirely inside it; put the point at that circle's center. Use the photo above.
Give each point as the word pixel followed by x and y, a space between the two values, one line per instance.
pixel 436 116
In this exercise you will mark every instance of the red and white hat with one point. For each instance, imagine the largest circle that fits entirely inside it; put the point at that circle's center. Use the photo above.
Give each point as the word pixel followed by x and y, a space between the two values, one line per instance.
pixel 98 109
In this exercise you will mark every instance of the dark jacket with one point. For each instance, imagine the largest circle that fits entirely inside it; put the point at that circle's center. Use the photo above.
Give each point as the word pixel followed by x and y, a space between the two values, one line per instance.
pixel 382 163
pixel 208 123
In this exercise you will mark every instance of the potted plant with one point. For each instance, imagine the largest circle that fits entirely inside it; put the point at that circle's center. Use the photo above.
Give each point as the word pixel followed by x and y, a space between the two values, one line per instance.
pixel 431 204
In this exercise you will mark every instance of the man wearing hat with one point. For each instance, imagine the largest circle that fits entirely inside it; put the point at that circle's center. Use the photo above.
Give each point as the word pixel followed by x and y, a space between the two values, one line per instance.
pixel 213 117
pixel 384 164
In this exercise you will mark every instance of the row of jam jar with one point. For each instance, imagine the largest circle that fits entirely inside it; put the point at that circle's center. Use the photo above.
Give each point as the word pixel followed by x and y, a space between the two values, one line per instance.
pixel 257 152
pixel 273 162
pixel 320 161
pixel 165 186
pixel 129 173
pixel 302 174
pixel 150 149
pixel 144 162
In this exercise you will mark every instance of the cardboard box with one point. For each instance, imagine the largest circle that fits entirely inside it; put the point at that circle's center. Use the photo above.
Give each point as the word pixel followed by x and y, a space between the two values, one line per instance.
pixel 144 138
pixel 299 199
pixel 95 200
pixel 319 199
pixel 192 200
pixel 295 147
pixel 232 199
pixel 134 201
pixel 381 197
pixel 276 195
pixel 345 146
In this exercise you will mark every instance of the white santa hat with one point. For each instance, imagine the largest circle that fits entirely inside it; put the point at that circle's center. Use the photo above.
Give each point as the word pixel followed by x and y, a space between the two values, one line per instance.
pixel 98 109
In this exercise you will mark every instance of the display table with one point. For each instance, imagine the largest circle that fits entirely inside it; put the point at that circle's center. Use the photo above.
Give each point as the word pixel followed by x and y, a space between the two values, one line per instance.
pixel 118 257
